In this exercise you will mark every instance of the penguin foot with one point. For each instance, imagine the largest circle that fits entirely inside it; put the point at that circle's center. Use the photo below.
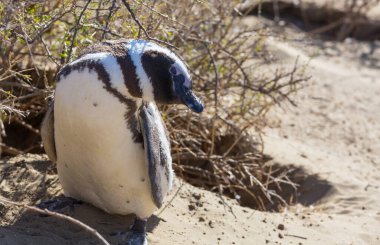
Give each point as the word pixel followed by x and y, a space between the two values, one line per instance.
pixel 136 236
pixel 131 238
pixel 58 203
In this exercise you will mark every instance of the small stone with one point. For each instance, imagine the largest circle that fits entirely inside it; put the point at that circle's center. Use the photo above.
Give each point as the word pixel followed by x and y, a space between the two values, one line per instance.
pixel 281 227
pixel 201 219
pixel 196 196
pixel 211 224
pixel 191 207
pixel 280 235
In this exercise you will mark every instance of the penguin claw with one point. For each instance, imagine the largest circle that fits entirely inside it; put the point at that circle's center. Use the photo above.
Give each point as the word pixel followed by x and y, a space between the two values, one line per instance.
pixel 137 239
pixel 59 203
pixel 131 238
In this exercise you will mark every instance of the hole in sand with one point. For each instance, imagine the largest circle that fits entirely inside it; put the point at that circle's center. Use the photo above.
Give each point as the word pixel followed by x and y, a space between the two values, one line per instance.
pixel 307 189
pixel 251 178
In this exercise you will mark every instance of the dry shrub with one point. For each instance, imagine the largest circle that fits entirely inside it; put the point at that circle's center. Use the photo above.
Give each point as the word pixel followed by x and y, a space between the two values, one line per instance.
pixel 221 149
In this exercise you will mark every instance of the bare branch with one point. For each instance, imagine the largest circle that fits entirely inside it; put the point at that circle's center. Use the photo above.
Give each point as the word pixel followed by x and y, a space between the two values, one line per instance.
pixel 76 30
pixel 126 4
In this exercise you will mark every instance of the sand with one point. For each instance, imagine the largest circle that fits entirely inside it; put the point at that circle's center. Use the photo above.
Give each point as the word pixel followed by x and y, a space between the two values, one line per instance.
pixel 333 132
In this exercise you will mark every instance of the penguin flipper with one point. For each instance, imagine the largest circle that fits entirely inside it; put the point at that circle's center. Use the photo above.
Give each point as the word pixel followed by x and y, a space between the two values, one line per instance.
pixel 157 152
pixel 47 134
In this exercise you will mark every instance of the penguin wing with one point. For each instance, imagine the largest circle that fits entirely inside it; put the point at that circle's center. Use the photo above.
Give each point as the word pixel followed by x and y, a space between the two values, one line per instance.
pixel 157 152
pixel 47 134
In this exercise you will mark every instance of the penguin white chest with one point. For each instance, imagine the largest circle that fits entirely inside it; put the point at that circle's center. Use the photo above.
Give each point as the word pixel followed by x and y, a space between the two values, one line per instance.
pixel 98 159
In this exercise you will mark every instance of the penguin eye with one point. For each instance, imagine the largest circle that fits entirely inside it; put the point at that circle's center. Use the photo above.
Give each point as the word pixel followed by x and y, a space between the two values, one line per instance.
pixel 173 70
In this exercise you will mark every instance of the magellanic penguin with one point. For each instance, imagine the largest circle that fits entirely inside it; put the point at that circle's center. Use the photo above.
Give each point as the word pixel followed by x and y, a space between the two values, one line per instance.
pixel 105 132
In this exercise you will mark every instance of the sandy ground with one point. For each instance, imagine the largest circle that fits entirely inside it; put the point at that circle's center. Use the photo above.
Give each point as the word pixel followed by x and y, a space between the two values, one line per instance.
pixel 334 132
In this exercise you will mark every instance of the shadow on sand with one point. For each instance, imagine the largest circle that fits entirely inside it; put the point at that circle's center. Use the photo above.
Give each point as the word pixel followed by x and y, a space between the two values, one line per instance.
pixel 33 178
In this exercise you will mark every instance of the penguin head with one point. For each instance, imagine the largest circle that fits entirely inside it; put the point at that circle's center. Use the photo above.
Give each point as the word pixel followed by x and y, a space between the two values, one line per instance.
pixel 169 77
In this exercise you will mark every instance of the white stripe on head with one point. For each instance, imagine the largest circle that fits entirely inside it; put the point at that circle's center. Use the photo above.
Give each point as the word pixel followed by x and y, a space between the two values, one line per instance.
pixel 112 67
pixel 136 49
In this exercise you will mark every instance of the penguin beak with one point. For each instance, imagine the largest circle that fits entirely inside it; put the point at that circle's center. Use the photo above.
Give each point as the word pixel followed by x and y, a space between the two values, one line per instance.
pixel 186 95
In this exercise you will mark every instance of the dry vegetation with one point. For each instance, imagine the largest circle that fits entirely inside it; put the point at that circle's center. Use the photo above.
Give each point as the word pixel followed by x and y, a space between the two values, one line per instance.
pixel 220 150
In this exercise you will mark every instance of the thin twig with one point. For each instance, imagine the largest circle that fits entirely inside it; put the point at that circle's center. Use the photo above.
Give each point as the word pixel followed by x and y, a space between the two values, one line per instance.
pixel 108 19
pixel 76 30
pixel 10 150
pixel 49 24
pixel 30 51
pixel 216 72
pixel 301 237
pixel 161 14
pixel 99 28
pixel 48 52
pixel 126 4
pixel 172 199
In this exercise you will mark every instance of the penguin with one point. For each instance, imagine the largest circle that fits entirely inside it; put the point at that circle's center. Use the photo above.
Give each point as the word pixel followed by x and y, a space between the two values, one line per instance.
pixel 105 132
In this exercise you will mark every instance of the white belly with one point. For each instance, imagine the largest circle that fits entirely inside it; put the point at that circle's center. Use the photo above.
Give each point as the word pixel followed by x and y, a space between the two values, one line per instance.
pixel 98 162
